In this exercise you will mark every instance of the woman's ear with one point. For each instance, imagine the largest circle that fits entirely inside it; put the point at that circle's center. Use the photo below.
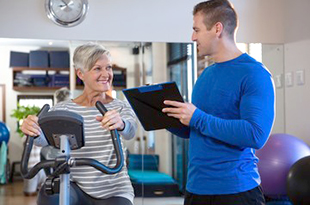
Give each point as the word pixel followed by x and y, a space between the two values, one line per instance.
pixel 80 74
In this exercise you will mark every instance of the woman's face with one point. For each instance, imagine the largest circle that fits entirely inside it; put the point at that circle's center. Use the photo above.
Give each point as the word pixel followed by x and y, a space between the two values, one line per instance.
pixel 99 77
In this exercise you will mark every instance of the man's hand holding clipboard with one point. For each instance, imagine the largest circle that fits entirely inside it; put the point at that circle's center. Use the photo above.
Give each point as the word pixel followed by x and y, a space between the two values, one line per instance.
pixel 180 110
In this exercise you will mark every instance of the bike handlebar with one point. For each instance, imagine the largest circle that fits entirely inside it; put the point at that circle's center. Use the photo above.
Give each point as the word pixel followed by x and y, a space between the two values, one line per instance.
pixel 28 174
pixel 117 147
pixel 27 150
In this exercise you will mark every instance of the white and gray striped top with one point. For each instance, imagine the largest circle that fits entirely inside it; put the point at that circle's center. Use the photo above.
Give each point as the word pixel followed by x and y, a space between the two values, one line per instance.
pixel 99 146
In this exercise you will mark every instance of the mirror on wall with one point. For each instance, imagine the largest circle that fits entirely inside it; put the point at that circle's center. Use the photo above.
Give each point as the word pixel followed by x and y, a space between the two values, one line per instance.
pixel 142 62
pixel 148 153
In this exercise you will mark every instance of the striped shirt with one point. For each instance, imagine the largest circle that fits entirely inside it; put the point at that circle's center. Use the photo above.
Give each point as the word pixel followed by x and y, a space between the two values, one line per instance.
pixel 99 146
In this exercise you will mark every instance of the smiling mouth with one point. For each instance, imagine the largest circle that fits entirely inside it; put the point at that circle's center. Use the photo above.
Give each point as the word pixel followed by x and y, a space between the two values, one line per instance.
pixel 103 81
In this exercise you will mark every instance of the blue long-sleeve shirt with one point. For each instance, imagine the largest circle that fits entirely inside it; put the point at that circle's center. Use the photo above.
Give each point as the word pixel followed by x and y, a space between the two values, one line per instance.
pixel 234 116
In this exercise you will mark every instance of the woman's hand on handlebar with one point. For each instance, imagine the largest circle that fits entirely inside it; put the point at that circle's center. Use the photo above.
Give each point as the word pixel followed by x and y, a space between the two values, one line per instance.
pixel 30 126
pixel 111 120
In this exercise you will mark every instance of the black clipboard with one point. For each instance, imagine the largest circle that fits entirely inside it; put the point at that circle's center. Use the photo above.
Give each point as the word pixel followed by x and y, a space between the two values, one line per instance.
pixel 148 102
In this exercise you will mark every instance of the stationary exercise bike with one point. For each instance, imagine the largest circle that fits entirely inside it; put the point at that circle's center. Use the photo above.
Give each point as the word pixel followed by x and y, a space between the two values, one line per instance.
pixel 64 130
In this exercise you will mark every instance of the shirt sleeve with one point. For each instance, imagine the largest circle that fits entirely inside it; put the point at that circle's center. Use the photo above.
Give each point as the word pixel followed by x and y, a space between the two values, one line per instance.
pixel 40 141
pixel 256 116
pixel 129 118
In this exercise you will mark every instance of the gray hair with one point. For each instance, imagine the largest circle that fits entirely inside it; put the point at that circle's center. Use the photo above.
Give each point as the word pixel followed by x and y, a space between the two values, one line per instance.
pixel 86 55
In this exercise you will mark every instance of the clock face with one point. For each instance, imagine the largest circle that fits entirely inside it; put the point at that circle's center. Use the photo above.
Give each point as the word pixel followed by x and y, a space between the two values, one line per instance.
pixel 66 12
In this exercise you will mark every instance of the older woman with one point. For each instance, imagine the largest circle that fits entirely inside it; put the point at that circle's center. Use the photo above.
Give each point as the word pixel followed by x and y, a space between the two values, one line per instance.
pixel 93 66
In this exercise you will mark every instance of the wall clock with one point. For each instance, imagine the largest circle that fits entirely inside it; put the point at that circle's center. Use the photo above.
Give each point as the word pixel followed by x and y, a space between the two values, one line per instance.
pixel 66 13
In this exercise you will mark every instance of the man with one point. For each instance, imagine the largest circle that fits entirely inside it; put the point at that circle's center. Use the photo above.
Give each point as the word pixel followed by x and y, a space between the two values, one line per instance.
pixel 231 114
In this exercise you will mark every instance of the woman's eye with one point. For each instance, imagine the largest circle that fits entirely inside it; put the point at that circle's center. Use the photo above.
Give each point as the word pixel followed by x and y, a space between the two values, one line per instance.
pixel 109 67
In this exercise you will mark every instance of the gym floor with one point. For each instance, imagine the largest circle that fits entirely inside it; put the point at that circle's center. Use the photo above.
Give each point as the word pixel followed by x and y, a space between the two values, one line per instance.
pixel 12 194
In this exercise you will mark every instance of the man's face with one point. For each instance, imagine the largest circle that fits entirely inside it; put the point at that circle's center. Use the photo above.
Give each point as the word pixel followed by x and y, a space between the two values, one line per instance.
pixel 204 38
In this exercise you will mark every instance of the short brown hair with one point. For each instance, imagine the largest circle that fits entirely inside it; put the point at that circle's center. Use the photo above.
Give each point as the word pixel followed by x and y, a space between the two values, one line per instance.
pixel 218 11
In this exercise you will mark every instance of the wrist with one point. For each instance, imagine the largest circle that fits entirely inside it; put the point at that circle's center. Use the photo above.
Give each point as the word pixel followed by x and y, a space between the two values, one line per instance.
pixel 123 126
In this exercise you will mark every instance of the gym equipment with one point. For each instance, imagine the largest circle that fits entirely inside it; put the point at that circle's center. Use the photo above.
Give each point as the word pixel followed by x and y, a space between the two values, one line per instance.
pixel 64 130
pixel 298 182
pixel 4 133
pixel 275 159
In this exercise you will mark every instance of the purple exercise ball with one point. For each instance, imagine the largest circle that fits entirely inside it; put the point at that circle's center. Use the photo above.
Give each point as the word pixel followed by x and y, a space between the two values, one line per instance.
pixel 275 160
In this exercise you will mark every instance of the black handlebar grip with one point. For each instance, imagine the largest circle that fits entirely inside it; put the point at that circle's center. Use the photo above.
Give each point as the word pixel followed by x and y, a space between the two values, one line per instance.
pixel 43 110
pixel 27 150
pixel 102 109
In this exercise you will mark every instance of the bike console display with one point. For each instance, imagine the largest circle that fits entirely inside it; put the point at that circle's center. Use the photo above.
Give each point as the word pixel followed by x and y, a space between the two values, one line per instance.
pixel 57 123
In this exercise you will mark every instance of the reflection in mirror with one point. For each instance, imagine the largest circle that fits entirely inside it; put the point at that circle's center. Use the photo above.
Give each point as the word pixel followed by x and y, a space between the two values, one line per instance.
pixel 182 70
pixel 144 63
pixel 159 179
pixel 157 161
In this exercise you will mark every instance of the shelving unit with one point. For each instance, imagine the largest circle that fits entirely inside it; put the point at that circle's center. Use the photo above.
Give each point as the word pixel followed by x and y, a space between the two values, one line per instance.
pixel 119 81
pixel 20 69
pixel 24 88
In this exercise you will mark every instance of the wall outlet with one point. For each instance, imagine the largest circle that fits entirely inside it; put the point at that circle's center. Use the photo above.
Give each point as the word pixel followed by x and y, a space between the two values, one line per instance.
pixel 300 77
pixel 289 79
pixel 278 81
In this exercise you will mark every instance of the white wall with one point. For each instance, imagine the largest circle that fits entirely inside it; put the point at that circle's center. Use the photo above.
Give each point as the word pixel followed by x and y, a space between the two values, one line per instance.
pixel 296 19
pixel 138 20
pixel 261 21
pixel 297 50
pixel 297 97
pixel 273 58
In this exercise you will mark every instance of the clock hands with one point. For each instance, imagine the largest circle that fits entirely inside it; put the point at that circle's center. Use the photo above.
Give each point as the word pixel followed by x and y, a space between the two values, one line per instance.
pixel 65 5
pixel 71 2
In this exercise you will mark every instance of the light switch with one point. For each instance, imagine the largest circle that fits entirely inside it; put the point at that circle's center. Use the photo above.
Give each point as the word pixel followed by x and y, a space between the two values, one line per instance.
pixel 278 81
pixel 300 77
pixel 289 79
